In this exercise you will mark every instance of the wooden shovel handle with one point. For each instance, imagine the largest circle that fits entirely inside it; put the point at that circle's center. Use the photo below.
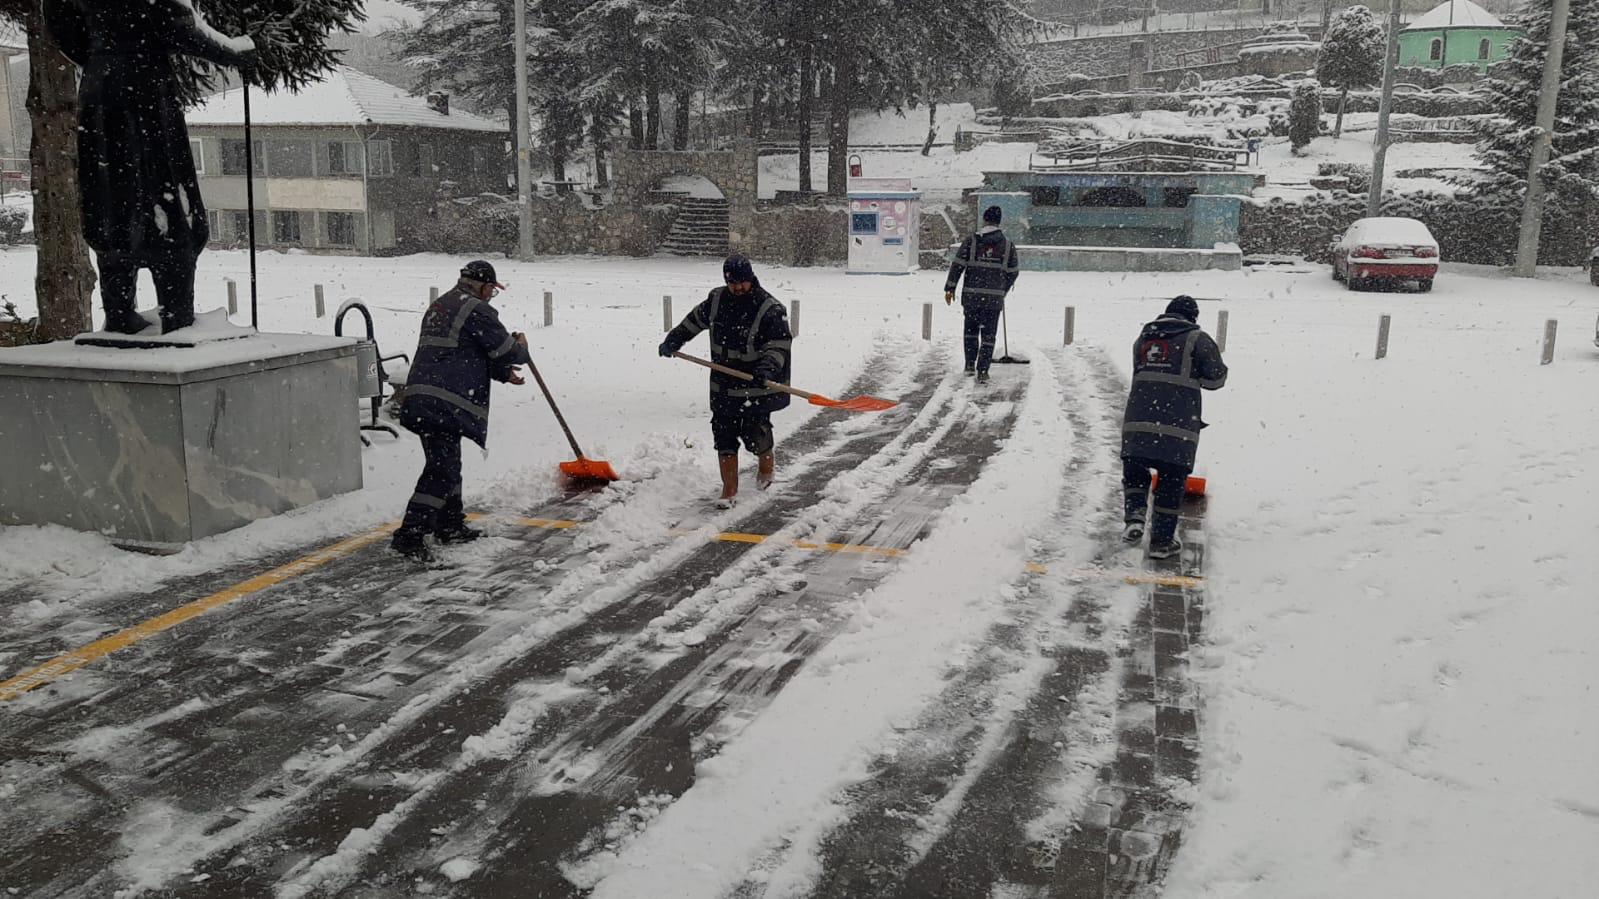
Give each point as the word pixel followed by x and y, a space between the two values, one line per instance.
pixel 743 375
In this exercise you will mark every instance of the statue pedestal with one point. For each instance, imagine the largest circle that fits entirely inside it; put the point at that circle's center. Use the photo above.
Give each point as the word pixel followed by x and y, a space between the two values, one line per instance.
pixel 157 447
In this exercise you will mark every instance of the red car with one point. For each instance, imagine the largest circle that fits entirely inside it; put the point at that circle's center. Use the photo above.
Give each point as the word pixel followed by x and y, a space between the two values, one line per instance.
pixel 1385 251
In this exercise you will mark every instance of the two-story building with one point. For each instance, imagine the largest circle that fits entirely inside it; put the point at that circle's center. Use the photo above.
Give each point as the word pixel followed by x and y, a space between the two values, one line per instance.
pixel 347 164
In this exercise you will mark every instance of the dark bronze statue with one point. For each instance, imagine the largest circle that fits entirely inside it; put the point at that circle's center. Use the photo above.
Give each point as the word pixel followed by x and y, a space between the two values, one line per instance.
pixel 141 198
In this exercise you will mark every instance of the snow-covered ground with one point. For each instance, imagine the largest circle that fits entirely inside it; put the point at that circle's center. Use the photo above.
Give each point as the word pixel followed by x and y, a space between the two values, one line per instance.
pixel 1400 672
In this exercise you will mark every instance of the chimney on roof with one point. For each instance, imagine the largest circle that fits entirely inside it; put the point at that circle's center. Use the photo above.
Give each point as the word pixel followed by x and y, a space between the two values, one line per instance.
pixel 439 102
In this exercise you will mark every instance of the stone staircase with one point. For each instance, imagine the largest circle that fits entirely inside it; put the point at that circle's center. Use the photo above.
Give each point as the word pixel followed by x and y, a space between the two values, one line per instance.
pixel 700 228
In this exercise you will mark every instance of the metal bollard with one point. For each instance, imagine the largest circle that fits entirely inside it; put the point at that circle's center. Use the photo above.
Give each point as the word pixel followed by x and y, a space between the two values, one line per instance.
pixel 321 307
pixel 666 312
pixel 927 321
pixel 1382 336
pixel 1221 330
pixel 1071 325
pixel 549 309
pixel 233 297
pixel 1549 341
pixel 793 318
pixel 433 295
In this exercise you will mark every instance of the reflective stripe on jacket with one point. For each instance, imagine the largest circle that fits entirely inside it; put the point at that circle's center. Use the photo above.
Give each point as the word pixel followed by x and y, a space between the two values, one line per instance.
pixel 1173 361
pixel 462 347
pixel 749 333
pixel 989 262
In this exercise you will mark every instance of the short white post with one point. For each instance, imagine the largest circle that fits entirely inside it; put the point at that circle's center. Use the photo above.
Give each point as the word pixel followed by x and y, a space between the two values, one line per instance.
pixel 1382 336
pixel 1549 341
pixel 1071 325
pixel 1221 330
pixel 433 295
pixel 233 297
pixel 321 306
pixel 549 309
pixel 927 321
pixel 793 318
pixel 666 312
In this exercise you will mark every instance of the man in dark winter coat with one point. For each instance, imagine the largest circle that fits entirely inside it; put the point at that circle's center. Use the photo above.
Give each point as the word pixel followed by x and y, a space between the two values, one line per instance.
pixel 141 199
pixel 988 260
pixel 749 332
pixel 1173 360
pixel 463 346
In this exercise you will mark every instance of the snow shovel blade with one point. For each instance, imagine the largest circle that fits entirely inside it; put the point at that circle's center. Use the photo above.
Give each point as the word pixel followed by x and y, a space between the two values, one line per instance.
pixel 858 404
pixel 581 469
pixel 1194 486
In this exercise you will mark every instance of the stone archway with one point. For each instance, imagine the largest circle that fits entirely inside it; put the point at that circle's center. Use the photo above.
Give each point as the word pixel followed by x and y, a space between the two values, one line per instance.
pixel 735 172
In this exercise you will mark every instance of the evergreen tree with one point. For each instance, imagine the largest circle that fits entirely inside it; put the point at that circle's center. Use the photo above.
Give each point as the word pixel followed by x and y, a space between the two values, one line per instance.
pixel 1304 115
pixel 1351 55
pixel 1512 88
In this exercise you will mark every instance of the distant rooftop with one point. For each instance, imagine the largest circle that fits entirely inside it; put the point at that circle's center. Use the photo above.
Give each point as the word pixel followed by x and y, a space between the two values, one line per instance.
pixel 1457 14
pixel 344 97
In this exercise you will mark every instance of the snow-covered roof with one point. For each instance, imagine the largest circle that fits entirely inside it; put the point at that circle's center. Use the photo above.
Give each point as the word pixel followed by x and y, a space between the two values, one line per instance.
pixel 344 97
pixel 1456 14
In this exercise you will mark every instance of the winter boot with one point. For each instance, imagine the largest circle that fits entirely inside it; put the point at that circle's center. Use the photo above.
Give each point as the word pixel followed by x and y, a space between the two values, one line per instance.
pixel 1133 532
pixel 982 377
pixel 1165 550
pixel 457 533
pixel 971 370
pixel 765 471
pixel 412 546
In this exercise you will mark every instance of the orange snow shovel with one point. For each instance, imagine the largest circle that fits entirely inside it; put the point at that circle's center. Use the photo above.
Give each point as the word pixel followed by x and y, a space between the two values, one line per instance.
pixel 858 404
pixel 581 468
pixel 1194 486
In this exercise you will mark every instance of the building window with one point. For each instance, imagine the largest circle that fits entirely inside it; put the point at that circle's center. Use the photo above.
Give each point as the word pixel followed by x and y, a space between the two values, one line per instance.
pixel 380 158
pixel 239 221
pixel 344 157
pixel 340 227
pixel 1483 49
pixel 286 227
pixel 1436 51
pixel 197 150
pixel 289 158
pixel 424 160
pixel 233 158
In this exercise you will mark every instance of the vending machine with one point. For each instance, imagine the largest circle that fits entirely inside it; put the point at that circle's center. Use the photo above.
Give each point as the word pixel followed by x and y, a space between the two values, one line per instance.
pixel 885 219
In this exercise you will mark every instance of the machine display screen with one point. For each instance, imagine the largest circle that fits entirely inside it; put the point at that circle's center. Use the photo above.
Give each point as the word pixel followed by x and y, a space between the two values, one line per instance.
pixel 864 223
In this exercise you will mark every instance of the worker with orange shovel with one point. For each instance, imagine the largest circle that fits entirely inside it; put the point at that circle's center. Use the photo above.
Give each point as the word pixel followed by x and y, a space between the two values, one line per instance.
pixel 750 345
pixel 462 347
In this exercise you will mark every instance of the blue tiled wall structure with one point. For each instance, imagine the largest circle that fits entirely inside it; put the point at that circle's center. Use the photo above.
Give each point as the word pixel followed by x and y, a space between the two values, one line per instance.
pixel 1181 210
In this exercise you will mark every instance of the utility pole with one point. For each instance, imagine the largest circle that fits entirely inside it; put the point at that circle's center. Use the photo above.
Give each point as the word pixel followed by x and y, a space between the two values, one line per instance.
pixel 524 169
pixel 1543 136
pixel 1379 153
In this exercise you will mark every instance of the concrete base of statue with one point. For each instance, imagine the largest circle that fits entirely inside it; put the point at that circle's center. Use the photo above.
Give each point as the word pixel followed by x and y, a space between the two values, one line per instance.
pixel 157 447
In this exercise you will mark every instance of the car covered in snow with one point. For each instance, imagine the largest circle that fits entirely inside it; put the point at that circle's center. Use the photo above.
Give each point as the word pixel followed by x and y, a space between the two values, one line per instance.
pixel 1385 251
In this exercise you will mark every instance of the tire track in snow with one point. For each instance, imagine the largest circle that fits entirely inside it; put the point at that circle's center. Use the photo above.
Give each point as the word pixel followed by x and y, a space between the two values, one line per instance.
pixel 945 808
pixel 747 619
pixel 362 641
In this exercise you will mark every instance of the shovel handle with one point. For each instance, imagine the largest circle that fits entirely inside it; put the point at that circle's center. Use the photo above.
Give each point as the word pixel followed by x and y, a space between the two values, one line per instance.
pixel 554 408
pixel 743 375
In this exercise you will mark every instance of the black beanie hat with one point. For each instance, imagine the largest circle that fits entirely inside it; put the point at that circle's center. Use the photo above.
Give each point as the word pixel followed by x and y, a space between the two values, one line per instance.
pixel 481 271
pixel 1184 307
pixel 737 268
pixel 991 215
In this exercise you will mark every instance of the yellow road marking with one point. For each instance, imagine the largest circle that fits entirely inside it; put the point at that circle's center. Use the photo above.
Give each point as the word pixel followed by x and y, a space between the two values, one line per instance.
pixel 99 649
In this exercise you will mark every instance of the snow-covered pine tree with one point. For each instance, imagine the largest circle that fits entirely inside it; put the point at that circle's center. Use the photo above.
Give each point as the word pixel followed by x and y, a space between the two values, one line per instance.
pixel 1512 87
pixel 1304 115
pixel 1351 55
pixel 291 37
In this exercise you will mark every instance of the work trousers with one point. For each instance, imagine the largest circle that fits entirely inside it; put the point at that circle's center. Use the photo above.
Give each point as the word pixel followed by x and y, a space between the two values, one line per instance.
pixel 1168 495
pixel 436 504
pixel 982 321
pixel 174 290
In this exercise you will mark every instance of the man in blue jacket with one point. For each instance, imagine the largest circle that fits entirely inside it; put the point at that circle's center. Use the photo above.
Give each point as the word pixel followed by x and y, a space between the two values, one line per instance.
pixel 988 261
pixel 463 346
pixel 749 332
pixel 1173 360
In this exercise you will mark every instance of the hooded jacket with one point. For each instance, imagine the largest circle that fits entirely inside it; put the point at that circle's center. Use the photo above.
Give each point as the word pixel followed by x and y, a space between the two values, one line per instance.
pixel 749 333
pixel 988 260
pixel 462 346
pixel 1173 361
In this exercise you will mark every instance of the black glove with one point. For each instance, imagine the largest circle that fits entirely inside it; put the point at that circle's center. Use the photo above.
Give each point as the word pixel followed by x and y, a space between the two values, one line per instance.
pixel 666 349
pixel 761 377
